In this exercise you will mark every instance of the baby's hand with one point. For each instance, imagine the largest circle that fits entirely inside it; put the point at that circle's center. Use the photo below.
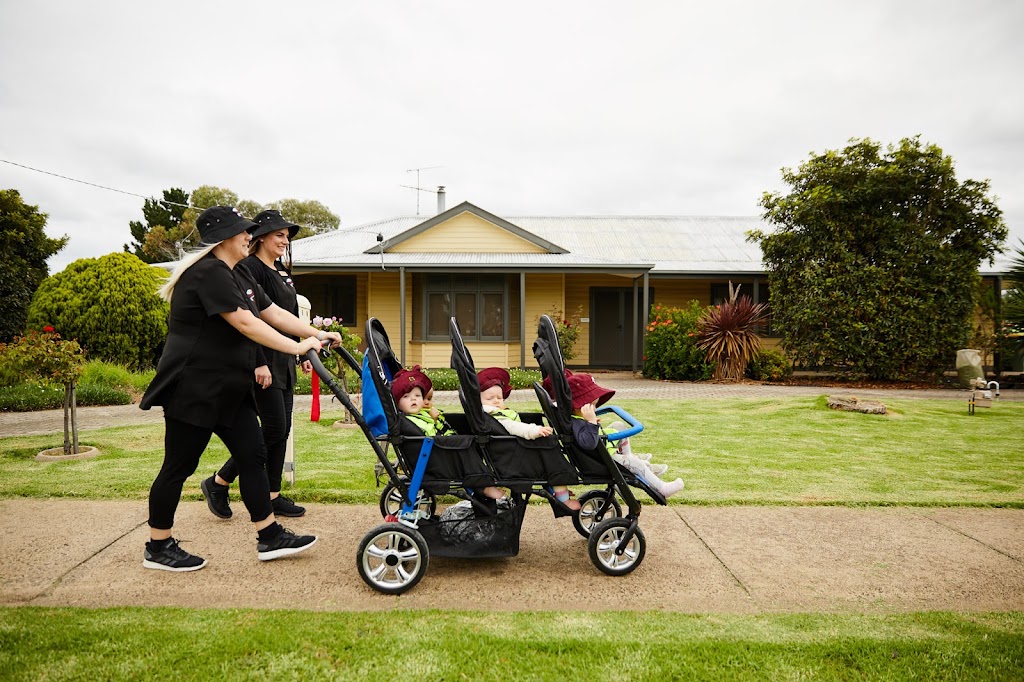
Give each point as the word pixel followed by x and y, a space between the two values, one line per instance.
pixel 546 430
pixel 589 412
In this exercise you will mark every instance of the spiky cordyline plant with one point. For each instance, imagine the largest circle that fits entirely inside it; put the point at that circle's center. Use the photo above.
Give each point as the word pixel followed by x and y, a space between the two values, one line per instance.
pixel 727 334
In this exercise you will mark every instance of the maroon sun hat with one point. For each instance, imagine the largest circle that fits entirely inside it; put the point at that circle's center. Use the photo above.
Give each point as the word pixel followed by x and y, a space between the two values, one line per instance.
pixel 495 376
pixel 585 390
pixel 407 379
pixel 546 384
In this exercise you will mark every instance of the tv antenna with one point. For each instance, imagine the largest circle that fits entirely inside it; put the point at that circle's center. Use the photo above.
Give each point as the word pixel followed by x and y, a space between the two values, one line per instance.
pixel 417 187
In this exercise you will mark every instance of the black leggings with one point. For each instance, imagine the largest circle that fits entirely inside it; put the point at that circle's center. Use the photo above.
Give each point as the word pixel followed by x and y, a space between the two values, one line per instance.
pixel 276 407
pixel 184 445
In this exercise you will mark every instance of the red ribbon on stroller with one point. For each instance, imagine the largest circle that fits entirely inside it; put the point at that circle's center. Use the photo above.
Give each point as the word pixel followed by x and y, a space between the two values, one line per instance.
pixel 314 410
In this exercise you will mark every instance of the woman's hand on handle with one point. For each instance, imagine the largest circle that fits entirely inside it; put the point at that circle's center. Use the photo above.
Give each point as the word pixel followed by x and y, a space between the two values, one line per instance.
pixel 307 344
pixel 330 339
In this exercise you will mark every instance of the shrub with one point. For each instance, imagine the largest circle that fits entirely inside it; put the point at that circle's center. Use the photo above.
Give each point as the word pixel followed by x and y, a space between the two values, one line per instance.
pixel 728 334
pixel 769 365
pixel 443 378
pixel 100 373
pixel 32 396
pixel 567 328
pixel 670 350
pixel 304 383
pixel 44 356
pixel 109 304
pixel 523 378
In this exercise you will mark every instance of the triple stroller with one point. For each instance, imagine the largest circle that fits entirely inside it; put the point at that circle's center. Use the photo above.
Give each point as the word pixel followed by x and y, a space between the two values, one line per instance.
pixel 393 557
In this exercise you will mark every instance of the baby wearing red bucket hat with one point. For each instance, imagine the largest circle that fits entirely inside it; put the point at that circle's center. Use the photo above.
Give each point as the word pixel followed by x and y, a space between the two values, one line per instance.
pixel 495 387
pixel 413 392
pixel 587 396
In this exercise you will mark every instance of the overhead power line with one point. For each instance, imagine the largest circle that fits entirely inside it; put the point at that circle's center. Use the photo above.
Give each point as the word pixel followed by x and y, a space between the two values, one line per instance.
pixel 93 184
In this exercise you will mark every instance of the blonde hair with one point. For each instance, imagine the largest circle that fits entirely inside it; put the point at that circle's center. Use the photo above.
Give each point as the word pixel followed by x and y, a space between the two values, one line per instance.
pixel 167 290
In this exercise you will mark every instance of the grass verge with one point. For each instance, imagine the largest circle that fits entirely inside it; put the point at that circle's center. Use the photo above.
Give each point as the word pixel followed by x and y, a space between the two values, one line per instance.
pixel 155 644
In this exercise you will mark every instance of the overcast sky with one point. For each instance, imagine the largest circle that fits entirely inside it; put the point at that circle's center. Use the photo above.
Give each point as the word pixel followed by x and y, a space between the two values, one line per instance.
pixel 528 108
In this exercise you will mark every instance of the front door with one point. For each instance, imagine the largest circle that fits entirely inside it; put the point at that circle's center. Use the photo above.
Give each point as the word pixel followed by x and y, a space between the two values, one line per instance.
pixel 611 326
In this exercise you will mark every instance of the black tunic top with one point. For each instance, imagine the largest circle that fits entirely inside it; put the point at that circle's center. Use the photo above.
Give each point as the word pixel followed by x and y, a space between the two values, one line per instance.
pixel 277 283
pixel 206 371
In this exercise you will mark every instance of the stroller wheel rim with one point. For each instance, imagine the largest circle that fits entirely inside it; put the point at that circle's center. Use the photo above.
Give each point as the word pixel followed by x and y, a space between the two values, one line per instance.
pixel 391 560
pixel 607 544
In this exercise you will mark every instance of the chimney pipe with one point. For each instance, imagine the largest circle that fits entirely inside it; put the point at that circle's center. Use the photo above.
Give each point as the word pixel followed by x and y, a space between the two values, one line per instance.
pixel 440 199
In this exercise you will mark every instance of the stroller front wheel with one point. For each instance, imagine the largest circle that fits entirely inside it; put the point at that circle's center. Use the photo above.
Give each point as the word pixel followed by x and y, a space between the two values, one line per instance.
pixel 392 558
pixel 604 543
pixel 589 515
pixel 391 501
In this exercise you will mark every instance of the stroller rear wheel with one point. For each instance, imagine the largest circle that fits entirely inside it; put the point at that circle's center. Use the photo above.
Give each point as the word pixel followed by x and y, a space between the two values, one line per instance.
pixel 392 558
pixel 589 515
pixel 604 543
pixel 391 501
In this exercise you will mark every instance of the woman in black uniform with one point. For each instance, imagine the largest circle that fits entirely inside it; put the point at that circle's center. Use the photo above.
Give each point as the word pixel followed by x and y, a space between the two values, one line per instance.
pixel 204 382
pixel 275 375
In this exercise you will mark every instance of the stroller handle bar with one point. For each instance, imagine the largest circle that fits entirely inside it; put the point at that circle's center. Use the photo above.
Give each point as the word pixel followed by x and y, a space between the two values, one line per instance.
pixel 635 427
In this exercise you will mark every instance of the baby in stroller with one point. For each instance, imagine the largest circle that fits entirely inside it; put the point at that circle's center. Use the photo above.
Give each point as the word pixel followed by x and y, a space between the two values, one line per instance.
pixel 587 396
pixel 495 387
pixel 410 388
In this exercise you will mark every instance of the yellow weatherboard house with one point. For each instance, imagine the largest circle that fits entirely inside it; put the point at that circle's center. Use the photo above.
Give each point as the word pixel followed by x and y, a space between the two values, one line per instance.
pixel 498 274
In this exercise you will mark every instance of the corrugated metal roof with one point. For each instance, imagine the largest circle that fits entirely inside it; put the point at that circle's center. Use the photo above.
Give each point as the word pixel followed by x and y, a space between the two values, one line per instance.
pixel 660 243
pixel 682 245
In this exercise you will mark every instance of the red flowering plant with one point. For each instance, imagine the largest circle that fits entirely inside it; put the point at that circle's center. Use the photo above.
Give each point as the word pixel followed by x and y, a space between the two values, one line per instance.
pixel 567 327
pixel 670 345
pixel 45 356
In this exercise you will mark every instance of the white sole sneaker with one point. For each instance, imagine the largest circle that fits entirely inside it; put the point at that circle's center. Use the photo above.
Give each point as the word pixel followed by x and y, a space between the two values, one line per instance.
pixel 272 554
pixel 146 563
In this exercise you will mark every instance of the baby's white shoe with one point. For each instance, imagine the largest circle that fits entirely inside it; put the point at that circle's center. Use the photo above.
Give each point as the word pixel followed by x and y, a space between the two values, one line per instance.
pixel 645 456
pixel 658 469
pixel 670 489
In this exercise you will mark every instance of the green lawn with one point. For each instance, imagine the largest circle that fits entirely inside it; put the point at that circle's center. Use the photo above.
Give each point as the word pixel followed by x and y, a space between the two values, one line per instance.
pixel 787 451
pixel 155 644
pixel 778 451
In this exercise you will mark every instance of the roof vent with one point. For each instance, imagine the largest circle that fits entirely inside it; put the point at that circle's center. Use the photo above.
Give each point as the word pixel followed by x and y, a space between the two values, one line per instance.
pixel 440 199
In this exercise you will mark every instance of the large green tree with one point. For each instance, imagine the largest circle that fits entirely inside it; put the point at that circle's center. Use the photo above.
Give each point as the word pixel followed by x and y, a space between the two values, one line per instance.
pixel 162 216
pixel 166 241
pixel 311 216
pixel 109 304
pixel 873 265
pixel 25 248
pixel 1013 302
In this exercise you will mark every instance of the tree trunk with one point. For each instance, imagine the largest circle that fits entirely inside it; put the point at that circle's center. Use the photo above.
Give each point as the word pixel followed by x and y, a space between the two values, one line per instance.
pixel 67 416
pixel 74 417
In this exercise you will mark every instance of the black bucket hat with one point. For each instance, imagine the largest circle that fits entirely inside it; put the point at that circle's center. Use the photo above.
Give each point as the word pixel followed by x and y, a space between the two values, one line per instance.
pixel 218 223
pixel 270 221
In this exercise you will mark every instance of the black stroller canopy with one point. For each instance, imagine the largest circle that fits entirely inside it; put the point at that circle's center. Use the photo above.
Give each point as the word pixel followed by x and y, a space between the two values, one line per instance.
pixel 469 385
pixel 549 356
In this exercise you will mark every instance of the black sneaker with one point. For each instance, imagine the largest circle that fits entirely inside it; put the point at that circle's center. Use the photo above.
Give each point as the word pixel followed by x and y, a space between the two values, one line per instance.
pixel 216 497
pixel 284 544
pixel 171 558
pixel 283 506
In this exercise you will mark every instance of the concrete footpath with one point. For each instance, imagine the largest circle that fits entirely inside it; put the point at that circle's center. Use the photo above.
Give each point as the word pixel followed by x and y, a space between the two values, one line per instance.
pixel 699 559
pixel 61 552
